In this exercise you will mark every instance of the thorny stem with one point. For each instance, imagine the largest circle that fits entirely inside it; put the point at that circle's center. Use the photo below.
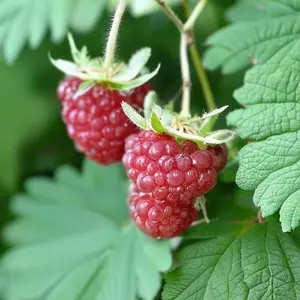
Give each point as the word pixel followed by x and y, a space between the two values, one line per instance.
pixel 113 35
pixel 196 58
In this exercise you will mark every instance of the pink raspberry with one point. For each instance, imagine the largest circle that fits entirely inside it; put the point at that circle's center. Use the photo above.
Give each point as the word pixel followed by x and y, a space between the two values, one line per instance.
pixel 96 121
pixel 160 219
pixel 170 173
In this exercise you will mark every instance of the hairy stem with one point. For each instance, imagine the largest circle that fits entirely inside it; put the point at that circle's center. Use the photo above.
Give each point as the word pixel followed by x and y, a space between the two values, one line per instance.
pixel 170 13
pixel 197 62
pixel 185 73
pixel 189 25
pixel 113 35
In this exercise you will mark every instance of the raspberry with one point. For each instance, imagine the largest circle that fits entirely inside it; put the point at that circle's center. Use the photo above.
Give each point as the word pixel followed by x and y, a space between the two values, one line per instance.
pixel 158 219
pixel 95 120
pixel 169 172
pixel 220 156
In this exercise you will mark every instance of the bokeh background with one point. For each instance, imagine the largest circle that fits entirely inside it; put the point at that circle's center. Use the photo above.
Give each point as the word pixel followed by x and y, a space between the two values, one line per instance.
pixel 32 135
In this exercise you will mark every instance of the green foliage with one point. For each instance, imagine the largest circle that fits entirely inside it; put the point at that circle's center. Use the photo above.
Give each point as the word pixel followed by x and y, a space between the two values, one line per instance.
pixel 29 20
pixel 22 121
pixel 270 117
pixel 250 261
pixel 73 240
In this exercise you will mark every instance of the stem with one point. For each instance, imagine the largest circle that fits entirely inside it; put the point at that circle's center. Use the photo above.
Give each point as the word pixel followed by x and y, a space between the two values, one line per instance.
pixel 196 58
pixel 113 35
pixel 170 13
pixel 185 73
pixel 204 211
pixel 189 25
pixel 208 95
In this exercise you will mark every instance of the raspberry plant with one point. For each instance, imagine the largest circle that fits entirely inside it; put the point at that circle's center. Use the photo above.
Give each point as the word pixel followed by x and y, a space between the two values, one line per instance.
pixel 168 222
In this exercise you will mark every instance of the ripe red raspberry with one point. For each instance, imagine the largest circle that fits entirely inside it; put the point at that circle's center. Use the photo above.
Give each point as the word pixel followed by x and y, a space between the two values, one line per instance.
pixel 220 156
pixel 160 219
pixel 169 172
pixel 96 121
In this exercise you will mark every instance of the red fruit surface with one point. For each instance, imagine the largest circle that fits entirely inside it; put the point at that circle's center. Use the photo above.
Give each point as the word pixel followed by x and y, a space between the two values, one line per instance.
pixel 159 219
pixel 220 156
pixel 170 173
pixel 96 121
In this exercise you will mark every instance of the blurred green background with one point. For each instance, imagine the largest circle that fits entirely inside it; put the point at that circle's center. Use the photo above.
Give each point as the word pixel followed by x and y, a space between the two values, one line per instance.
pixel 33 138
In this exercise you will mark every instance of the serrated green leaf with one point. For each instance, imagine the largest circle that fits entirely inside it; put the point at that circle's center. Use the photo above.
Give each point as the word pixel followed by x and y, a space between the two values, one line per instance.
pixel 150 100
pixel 60 16
pixel 17 34
pixel 272 116
pixel 271 109
pixel 256 262
pixel 232 49
pixel 69 242
pixel 251 10
pixel 134 67
pixel 214 229
pixel 38 22
pixel 134 116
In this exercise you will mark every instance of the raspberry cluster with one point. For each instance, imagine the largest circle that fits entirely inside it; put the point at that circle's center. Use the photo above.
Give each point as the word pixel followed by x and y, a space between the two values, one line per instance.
pixel 168 178
pixel 96 121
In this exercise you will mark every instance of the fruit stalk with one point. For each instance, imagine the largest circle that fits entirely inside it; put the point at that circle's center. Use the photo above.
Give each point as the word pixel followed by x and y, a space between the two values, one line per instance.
pixel 170 13
pixel 185 73
pixel 197 62
pixel 189 25
pixel 113 35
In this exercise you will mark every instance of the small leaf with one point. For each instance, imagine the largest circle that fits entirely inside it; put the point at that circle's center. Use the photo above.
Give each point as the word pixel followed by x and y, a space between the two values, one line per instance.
pixel 165 116
pixel 65 66
pixel 134 116
pixel 214 112
pixel 83 88
pixel 150 99
pixel 139 81
pixel 223 136
pixel 156 124
pixel 134 67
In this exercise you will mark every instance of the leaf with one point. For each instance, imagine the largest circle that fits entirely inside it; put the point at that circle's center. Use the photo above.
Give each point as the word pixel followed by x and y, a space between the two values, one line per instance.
pixel 38 22
pixel 150 100
pixel 256 262
pixel 132 84
pixel 17 34
pixel 271 110
pixel 134 116
pixel 271 165
pixel 232 49
pixel 29 20
pixel 135 65
pixel 251 10
pixel 156 124
pixel 70 241
pixel 60 16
